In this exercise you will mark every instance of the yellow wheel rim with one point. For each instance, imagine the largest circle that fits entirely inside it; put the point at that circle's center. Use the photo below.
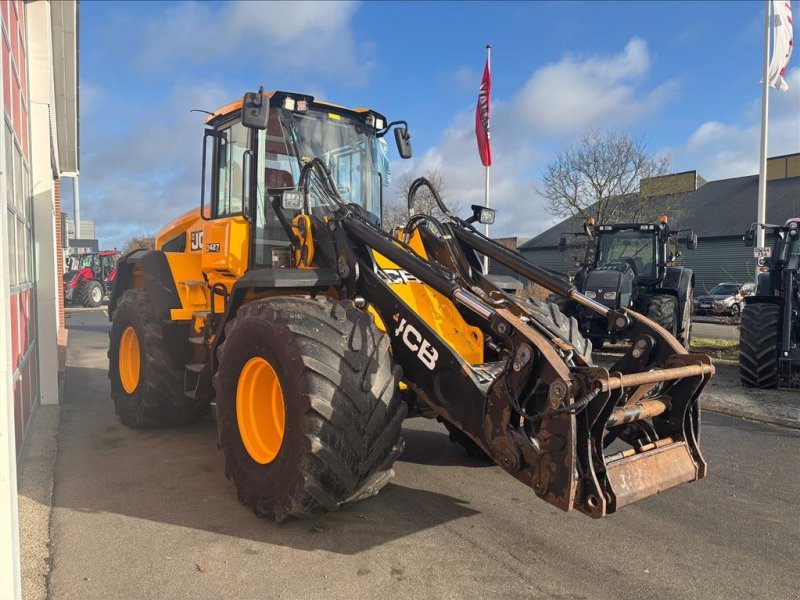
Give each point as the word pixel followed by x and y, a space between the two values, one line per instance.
pixel 260 410
pixel 129 360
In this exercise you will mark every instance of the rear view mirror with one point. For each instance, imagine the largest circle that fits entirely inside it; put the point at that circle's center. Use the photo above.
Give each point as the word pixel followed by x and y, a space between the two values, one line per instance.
pixel 403 139
pixel 691 241
pixel 749 237
pixel 255 110
pixel 562 243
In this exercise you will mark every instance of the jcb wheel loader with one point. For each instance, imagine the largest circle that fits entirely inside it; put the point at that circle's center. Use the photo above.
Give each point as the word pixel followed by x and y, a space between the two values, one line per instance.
pixel 313 333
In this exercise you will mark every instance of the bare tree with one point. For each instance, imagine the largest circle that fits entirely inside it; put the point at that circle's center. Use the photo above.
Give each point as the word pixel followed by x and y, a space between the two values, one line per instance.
pixel 599 176
pixel 395 214
pixel 140 242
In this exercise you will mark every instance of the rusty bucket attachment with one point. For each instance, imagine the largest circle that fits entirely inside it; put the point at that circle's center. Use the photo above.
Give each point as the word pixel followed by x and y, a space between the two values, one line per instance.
pixel 596 439
pixel 639 434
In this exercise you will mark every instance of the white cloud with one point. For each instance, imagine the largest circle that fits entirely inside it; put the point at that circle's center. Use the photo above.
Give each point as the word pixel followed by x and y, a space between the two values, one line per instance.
pixel 570 95
pixel 558 101
pixel 283 36
pixel 721 150
pixel 137 181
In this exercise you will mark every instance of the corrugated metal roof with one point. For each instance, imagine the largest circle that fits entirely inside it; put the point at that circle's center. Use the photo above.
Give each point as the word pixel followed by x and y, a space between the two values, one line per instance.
pixel 722 208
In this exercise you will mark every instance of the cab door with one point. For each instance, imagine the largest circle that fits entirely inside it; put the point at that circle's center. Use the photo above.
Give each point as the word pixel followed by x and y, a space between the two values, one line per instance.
pixel 226 234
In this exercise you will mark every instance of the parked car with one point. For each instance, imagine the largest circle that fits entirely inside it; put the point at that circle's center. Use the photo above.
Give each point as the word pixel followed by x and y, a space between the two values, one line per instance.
pixel 724 299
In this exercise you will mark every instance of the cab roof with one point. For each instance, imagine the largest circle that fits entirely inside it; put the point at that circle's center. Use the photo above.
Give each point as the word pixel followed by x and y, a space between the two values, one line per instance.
pixel 236 106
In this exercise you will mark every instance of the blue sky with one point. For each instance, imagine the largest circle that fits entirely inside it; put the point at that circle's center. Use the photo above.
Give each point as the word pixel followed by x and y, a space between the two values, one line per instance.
pixel 683 75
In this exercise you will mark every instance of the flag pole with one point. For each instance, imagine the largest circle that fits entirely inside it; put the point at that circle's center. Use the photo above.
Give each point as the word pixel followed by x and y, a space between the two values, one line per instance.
pixel 762 169
pixel 486 178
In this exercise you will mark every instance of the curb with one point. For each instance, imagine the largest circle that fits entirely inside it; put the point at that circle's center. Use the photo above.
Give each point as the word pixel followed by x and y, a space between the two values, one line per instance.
pixel 735 411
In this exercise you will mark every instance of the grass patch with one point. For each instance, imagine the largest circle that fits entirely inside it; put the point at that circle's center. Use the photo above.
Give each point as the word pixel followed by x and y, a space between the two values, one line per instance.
pixel 716 348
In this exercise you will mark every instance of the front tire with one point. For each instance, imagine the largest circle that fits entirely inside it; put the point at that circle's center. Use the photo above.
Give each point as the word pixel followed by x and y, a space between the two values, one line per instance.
pixel 90 294
pixel 342 414
pixel 663 309
pixel 146 385
pixel 759 345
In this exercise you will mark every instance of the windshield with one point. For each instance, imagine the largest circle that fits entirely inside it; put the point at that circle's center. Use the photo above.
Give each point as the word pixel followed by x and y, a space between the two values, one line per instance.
pixel 725 289
pixel 357 160
pixel 346 145
pixel 87 260
pixel 636 248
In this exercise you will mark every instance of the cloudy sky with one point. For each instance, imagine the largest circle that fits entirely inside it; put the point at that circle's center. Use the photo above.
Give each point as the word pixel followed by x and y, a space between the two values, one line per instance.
pixel 683 75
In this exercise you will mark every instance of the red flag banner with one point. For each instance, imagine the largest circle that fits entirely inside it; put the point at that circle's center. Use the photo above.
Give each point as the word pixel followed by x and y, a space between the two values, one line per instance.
pixel 482 117
pixel 783 41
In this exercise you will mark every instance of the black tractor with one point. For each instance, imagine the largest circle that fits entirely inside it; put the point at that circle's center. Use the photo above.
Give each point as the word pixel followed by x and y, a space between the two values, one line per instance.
pixel 632 265
pixel 769 340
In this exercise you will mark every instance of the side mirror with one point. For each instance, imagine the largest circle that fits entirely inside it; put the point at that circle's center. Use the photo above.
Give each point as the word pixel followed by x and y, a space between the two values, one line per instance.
pixel 749 238
pixel 403 139
pixel 562 243
pixel 255 110
pixel 691 241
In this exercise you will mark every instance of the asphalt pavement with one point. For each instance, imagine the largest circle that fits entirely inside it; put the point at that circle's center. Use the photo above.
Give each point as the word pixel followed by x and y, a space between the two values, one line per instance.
pixel 717 330
pixel 149 514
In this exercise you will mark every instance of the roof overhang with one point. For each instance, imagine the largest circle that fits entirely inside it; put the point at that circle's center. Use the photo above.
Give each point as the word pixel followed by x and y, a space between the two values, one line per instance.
pixel 64 19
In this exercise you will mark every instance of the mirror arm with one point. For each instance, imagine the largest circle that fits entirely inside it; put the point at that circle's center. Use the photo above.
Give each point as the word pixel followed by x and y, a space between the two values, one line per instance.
pixel 386 129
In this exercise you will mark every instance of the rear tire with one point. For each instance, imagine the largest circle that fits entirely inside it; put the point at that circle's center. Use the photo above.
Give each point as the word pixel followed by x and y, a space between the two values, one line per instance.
pixel 342 410
pixel 158 398
pixel 759 345
pixel 89 294
pixel 663 309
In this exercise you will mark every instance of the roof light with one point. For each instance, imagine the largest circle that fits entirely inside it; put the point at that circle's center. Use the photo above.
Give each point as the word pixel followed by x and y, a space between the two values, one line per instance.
pixel 302 105
pixel 370 119
pixel 289 103
pixel 379 124
pixel 663 219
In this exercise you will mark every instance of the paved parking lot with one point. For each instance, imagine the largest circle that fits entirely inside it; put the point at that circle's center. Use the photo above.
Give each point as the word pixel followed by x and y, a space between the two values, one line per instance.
pixel 149 514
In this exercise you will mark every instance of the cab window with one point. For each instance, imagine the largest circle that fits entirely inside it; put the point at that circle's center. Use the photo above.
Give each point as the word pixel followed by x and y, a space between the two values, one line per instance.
pixel 231 148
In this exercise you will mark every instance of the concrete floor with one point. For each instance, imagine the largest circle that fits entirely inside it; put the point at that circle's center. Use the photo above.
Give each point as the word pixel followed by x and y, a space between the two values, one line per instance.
pixel 150 515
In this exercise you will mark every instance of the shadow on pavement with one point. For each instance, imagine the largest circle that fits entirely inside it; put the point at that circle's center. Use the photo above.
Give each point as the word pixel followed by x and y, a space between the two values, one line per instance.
pixel 175 476
pixel 434 448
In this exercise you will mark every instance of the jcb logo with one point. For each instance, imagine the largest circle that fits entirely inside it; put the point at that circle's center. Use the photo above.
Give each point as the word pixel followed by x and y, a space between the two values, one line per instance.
pixel 412 338
pixel 394 276
pixel 196 240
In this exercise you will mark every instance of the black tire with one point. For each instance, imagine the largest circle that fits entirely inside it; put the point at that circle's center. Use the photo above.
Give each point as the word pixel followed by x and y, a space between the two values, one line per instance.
pixel 342 410
pixel 759 345
pixel 686 325
pixel 89 294
pixel 158 400
pixel 663 309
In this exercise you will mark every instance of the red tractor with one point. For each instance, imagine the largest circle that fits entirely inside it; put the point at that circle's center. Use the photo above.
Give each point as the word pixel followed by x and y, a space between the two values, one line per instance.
pixel 89 277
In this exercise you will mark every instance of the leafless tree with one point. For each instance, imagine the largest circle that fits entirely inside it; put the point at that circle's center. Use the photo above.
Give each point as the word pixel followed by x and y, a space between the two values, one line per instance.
pixel 395 213
pixel 599 176
pixel 140 242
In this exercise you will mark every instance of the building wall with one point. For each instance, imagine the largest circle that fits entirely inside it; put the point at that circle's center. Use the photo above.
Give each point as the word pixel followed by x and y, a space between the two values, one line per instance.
pixel 16 166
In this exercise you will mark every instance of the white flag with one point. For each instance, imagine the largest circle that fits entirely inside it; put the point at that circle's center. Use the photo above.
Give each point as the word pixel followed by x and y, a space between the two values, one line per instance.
pixel 782 43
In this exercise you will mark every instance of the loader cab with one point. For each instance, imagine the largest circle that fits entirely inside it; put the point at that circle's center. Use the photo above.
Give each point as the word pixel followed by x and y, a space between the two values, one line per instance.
pixel 248 171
